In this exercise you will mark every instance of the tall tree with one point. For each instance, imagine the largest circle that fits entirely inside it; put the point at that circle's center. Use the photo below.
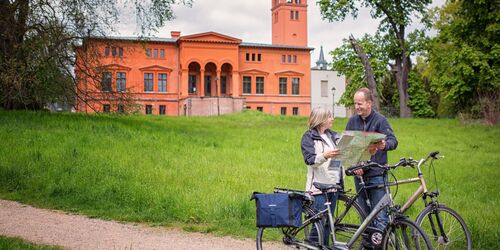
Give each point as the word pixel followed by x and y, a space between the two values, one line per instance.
pixel 37 39
pixel 395 17
pixel 465 57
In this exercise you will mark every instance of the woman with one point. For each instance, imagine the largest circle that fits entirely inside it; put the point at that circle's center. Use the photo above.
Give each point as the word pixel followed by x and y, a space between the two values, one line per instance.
pixel 319 146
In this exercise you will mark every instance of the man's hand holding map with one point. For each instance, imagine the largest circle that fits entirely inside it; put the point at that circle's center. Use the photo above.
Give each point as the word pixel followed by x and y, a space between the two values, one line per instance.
pixel 354 146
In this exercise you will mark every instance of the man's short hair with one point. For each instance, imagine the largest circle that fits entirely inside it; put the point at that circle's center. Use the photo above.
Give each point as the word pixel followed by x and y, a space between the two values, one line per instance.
pixel 367 92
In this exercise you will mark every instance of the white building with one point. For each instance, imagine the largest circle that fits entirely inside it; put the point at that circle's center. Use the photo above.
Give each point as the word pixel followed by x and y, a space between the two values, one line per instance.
pixel 327 87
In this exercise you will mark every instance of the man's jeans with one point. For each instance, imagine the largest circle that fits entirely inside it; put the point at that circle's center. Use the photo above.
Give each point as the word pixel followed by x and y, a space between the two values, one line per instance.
pixel 375 195
pixel 319 205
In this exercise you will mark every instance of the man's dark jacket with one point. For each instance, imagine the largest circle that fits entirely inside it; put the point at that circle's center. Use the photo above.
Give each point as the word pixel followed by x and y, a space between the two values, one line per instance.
pixel 375 122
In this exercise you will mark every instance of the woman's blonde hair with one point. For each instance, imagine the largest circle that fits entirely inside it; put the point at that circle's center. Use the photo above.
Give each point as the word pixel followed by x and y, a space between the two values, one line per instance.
pixel 319 116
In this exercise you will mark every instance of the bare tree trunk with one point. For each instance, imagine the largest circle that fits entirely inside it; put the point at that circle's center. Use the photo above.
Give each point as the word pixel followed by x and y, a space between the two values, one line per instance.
pixel 370 78
pixel 401 69
pixel 404 110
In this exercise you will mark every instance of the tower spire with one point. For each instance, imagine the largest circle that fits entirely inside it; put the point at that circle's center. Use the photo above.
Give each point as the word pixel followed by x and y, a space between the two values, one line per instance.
pixel 321 63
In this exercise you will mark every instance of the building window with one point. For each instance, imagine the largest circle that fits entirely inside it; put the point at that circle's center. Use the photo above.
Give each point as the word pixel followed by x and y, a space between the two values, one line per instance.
pixel 260 109
pixel 148 52
pixel 149 109
pixel 282 86
pixel 289 59
pixel 121 81
pixel 223 85
pixel 106 108
pixel 283 110
pixel 106 81
pixel 162 82
pixel 259 85
pixel 297 1
pixel 114 51
pixel 247 85
pixel 283 59
pixel 162 53
pixel 163 110
pixel 295 86
pixel 248 56
pixel 291 14
pixel 324 88
pixel 259 57
pixel 192 84
pixel 156 53
pixel 253 56
pixel 289 1
pixel 148 82
pixel 121 108
pixel 296 15
pixel 294 59
pixel 295 111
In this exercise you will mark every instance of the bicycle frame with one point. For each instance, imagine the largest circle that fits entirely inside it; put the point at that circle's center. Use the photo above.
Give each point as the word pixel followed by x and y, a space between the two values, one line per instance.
pixel 422 189
pixel 386 201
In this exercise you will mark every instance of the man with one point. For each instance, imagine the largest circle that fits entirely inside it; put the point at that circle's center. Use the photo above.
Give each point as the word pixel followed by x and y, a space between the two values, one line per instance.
pixel 369 120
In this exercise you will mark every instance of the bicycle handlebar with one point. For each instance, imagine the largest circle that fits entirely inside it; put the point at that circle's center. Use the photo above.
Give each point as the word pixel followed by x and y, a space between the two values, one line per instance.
pixel 405 162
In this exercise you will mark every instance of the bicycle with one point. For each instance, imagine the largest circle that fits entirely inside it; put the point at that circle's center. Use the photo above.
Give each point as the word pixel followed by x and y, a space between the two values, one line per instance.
pixel 444 226
pixel 400 233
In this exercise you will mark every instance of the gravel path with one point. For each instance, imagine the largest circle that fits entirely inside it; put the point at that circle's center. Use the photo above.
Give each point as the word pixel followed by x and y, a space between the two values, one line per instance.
pixel 71 231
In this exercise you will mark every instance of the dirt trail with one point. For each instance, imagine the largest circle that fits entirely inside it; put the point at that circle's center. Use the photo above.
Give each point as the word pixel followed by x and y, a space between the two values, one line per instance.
pixel 71 231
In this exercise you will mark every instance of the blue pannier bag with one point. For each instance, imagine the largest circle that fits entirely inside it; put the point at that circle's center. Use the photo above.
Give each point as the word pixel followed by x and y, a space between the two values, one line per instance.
pixel 278 210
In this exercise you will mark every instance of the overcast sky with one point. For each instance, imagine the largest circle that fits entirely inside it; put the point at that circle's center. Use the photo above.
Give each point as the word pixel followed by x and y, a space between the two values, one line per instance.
pixel 250 21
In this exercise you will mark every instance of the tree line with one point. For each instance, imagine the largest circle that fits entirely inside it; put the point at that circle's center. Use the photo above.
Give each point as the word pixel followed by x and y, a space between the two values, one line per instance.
pixel 452 73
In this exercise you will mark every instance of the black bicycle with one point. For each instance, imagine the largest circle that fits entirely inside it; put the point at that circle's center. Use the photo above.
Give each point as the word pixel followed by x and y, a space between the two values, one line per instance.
pixel 400 233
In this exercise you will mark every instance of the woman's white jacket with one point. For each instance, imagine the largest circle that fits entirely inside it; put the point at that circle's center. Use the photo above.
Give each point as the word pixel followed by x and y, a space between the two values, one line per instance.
pixel 319 169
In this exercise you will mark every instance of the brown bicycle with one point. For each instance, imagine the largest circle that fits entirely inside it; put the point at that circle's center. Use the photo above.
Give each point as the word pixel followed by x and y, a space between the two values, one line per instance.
pixel 444 226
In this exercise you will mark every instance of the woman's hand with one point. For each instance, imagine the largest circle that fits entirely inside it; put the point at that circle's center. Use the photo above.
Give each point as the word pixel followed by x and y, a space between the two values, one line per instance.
pixel 331 153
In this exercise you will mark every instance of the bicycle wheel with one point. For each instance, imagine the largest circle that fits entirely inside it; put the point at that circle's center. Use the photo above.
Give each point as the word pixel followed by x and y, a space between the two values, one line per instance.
pixel 453 232
pixel 348 217
pixel 290 237
pixel 405 234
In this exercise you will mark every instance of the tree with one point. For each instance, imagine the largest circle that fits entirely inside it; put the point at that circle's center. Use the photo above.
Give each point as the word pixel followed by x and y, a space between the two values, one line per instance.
pixel 38 38
pixel 346 62
pixel 395 18
pixel 369 76
pixel 465 57
pixel 422 100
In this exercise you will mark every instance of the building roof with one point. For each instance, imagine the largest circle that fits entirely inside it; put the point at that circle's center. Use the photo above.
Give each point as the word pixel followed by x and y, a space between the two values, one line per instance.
pixel 136 38
pixel 321 63
pixel 273 46
pixel 174 40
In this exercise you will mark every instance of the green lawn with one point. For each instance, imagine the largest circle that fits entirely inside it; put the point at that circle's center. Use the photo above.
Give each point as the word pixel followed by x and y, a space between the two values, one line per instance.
pixel 198 173
pixel 8 243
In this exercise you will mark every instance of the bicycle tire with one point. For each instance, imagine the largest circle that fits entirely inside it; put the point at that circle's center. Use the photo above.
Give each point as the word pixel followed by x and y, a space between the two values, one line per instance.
pixel 457 232
pixel 290 237
pixel 346 226
pixel 405 234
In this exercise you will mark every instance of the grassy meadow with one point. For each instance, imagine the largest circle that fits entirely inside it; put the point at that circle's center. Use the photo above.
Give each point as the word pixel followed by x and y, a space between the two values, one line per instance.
pixel 198 173
pixel 8 243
